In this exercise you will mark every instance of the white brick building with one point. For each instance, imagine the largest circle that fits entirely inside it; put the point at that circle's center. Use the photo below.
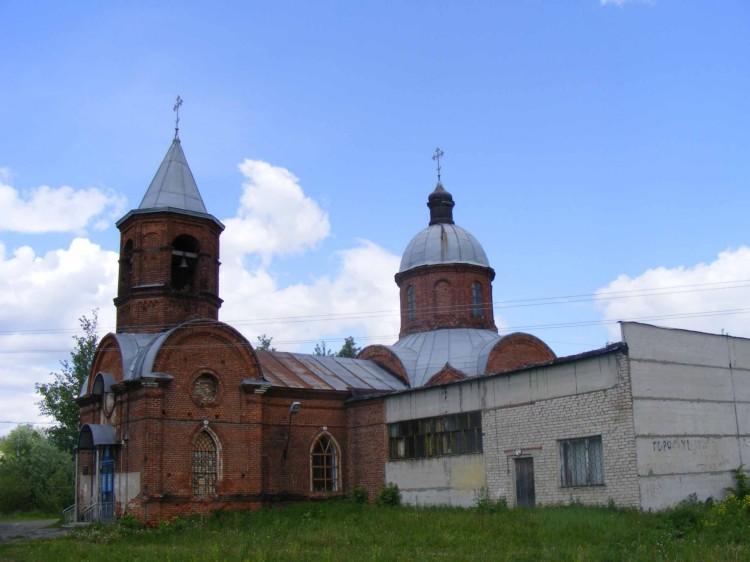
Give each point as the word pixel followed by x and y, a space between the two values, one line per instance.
pixel 643 423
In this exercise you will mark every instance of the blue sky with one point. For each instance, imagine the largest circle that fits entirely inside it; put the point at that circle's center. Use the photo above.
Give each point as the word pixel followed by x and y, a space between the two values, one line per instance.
pixel 590 146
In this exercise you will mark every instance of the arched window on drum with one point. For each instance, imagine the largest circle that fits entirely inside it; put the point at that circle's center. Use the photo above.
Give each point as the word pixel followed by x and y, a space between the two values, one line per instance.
pixel 477 301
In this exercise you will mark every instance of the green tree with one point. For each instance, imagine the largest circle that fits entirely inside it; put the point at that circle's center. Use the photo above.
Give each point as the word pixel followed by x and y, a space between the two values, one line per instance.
pixel 322 350
pixel 264 343
pixel 34 473
pixel 349 349
pixel 58 397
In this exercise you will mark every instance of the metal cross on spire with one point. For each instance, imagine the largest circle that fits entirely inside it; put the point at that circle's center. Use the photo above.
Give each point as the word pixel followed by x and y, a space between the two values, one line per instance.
pixel 437 156
pixel 176 109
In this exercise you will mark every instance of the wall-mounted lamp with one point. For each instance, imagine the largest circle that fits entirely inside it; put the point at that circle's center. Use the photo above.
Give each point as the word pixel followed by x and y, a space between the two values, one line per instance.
pixel 293 409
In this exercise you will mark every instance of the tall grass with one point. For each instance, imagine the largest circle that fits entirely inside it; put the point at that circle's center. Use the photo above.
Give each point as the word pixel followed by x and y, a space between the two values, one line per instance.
pixel 350 531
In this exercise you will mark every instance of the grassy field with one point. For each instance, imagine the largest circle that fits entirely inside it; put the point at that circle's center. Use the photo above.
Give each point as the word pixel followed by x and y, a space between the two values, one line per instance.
pixel 348 531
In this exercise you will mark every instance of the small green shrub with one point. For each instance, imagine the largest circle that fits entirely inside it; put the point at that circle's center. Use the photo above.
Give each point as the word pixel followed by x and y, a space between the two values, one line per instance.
pixel 685 517
pixel 742 483
pixel 130 522
pixel 358 495
pixel 484 503
pixel 389 495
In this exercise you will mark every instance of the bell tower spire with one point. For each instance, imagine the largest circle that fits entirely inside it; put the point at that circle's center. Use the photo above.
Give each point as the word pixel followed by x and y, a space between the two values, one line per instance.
pixel 169 251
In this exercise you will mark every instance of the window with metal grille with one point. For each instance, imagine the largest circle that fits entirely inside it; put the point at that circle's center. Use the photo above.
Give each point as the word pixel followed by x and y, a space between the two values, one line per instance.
pixel 204 465
pixel 477 301
pixel 411 303
pixel 581 462
pixel 455 434
pixel 325 466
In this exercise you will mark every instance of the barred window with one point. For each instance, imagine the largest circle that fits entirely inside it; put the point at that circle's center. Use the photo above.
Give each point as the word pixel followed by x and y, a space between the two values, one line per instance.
pixel 477 301
pixel 325 466
pixel 455 434
pixel 411 303
pixel 581 462
pixel 204 465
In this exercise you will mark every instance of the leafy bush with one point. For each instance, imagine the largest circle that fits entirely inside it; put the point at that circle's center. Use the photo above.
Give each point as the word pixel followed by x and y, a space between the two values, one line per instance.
pixel 389 495
pixel 130 522
pixel 358 495
pixel 484 503
pixel 742 483
pixel 685 517
pixel 34 473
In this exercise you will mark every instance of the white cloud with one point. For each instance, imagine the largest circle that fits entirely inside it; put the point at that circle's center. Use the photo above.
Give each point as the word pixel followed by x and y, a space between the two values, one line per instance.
pixel 359 298
pixel 41 299
pixel 64 209
pixel 704 297
pixel 275 217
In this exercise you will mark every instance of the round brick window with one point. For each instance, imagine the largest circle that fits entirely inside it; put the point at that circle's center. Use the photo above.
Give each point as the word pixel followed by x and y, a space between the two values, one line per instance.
pixel 205 388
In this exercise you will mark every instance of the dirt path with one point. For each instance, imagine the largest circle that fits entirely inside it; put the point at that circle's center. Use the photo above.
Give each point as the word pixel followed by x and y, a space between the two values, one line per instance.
pixel 17 531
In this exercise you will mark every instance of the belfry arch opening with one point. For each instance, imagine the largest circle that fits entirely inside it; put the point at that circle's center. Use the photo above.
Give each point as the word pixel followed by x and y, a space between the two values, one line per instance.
pixel 185 251
pixel 126 266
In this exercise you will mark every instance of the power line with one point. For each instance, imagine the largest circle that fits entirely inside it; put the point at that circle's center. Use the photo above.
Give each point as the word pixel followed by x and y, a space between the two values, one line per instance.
pixel 497 305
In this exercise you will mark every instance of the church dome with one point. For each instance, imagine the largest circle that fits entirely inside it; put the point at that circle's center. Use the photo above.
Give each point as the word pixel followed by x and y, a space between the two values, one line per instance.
pixel 443 243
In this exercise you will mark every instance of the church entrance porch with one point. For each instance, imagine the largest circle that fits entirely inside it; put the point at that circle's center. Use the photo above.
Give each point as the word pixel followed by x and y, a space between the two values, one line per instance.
pixel 95 474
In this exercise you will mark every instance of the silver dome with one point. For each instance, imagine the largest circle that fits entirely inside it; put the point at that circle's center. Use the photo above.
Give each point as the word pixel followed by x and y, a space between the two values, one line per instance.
pixel 443 243
pixel 424 354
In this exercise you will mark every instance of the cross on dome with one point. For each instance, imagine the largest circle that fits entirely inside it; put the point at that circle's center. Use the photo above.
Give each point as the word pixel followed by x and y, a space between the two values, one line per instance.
pixel 176 109
pixel 437 156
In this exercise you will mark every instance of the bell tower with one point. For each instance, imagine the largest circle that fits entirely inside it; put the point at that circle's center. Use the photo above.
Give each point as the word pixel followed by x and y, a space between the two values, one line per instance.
pixel 169 253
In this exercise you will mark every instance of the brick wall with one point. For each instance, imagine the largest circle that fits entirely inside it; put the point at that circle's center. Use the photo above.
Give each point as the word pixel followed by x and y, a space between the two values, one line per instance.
pixel 368 445
pixel 288 476
pixel 536 428
pixel 146 300
pixel 443 297
pixel 517 350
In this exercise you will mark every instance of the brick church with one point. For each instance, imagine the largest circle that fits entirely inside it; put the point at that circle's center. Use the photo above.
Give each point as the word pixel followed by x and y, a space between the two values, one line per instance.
pixel 180 414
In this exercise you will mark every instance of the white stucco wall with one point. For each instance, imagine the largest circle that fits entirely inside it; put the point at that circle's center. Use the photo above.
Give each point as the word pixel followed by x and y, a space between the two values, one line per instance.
pixel 691 403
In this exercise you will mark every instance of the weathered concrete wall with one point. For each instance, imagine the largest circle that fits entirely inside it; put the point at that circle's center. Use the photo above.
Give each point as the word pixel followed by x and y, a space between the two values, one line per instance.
pixel 527 411
pixel 691 402
pixel 450 480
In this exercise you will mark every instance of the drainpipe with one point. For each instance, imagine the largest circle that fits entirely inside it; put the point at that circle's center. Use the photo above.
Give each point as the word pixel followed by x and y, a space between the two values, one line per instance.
pixel 96 495
pixel 75 503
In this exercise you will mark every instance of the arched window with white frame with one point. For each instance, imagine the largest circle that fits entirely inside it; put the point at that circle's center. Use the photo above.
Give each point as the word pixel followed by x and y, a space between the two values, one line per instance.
pixel 324 465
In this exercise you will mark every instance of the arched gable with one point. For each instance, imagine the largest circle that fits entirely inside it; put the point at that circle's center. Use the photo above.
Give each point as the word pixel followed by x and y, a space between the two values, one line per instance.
pixel 206 345
pixel 446 374
pixel 386 358
pixel 107 359
pixel 517 350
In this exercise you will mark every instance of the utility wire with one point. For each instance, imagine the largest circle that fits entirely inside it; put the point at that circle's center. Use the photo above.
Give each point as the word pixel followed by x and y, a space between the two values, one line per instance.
pixel 497 305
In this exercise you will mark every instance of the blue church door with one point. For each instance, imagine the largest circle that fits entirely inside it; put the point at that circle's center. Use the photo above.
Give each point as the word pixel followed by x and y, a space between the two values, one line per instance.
pixel 107 485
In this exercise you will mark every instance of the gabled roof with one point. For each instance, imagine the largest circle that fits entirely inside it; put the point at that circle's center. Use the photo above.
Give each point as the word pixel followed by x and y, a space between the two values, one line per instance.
pixel 300 370
pixel 173 185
